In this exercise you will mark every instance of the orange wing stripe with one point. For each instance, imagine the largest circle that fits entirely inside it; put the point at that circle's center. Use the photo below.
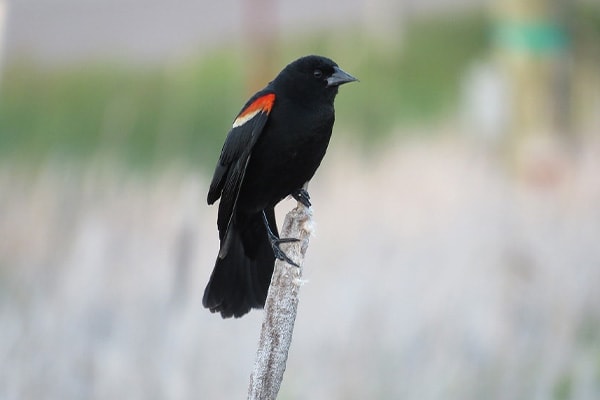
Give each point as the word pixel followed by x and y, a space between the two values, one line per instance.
pixel 263 103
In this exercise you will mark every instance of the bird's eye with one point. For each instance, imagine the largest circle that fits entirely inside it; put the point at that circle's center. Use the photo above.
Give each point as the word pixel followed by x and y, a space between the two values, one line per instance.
pixel 318 73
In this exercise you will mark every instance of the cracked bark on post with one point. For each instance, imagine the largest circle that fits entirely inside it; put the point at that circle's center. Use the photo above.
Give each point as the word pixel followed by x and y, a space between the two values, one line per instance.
pixel 280 309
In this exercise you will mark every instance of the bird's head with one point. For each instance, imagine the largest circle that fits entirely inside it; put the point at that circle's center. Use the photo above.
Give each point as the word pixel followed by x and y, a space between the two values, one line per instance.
pixel 312 76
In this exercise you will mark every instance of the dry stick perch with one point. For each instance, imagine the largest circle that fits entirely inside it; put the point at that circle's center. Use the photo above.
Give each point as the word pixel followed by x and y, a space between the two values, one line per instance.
pixel 280 309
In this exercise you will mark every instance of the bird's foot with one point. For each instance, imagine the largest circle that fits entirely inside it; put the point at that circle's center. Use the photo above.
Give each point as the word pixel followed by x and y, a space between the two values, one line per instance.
pixel 302 196
pixel 276 242
pixel 280 254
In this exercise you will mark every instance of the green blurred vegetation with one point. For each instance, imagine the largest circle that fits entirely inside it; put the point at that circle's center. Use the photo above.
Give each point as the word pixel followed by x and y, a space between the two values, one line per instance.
pixel 418 82
pixel 138 116
pixel 182 112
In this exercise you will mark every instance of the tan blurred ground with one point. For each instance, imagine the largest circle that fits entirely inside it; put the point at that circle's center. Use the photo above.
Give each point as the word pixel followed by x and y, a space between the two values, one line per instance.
pixel 434 274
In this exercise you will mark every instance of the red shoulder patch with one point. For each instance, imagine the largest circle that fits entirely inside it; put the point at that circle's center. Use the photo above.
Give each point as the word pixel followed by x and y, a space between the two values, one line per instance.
pixel 261 104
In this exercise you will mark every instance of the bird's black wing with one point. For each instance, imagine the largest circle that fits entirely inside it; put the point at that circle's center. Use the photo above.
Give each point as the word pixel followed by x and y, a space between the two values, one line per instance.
pixel 235 155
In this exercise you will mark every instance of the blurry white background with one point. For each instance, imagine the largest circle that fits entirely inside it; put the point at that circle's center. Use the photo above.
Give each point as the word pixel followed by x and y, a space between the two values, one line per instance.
pixel 454 259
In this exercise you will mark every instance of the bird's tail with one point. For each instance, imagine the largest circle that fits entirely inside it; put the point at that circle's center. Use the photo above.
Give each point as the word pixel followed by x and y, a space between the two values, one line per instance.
pixel 242 274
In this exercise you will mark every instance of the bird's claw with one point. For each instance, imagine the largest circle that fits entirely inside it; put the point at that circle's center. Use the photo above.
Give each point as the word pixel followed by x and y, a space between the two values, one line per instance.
pixel 302 196
pixel 276 242
pixel 280 254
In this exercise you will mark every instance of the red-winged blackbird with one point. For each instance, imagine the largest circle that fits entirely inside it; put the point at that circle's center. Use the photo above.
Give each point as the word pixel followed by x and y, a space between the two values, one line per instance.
pixel 273 149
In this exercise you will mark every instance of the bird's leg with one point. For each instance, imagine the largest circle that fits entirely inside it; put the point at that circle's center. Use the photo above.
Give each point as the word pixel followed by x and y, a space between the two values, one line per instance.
pixel 275 242
pixel 302 196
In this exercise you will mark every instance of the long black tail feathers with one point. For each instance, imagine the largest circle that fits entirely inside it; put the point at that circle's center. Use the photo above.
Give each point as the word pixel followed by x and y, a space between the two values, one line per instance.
pixel 240 281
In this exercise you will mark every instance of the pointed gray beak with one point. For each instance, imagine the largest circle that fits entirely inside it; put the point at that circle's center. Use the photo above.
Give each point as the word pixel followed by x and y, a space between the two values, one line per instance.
pixel 339 77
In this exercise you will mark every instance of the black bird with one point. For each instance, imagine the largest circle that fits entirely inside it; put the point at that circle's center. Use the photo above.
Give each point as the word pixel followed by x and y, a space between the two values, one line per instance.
pixel 273 149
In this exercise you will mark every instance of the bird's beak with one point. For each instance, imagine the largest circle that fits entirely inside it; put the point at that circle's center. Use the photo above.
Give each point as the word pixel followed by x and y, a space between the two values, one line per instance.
pixel 339 77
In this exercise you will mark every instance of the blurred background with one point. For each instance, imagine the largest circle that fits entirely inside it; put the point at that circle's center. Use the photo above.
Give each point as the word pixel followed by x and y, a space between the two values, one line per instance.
pixel 456 253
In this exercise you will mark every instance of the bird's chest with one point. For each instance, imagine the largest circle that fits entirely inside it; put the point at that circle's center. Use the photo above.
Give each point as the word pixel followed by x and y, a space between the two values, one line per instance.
pixel 296 143
pixel 287 154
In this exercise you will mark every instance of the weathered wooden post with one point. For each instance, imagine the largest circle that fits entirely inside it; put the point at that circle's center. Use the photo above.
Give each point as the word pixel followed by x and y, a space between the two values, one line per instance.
pixel 280 309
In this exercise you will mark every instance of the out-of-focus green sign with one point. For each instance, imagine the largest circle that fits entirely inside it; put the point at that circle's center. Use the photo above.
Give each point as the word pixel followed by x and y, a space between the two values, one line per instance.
pixel 534 37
